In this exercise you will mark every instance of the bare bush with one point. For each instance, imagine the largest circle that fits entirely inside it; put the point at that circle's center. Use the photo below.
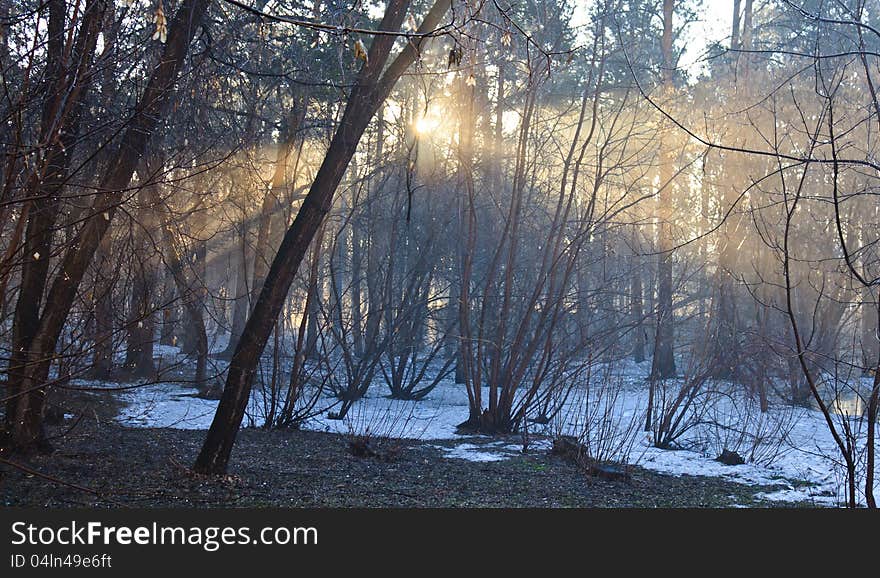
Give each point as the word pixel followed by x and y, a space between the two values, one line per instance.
pixel 602 416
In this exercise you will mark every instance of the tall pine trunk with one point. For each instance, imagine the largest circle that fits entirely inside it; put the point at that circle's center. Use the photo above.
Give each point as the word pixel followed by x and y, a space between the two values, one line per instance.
pixel 664 354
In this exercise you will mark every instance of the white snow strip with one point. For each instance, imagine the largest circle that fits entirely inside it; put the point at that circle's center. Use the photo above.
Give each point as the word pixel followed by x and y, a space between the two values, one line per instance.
pixel 790 448
pixel 472 453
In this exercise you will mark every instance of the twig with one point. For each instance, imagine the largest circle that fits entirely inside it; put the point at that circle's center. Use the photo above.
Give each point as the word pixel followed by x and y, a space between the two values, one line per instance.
pixel 55 480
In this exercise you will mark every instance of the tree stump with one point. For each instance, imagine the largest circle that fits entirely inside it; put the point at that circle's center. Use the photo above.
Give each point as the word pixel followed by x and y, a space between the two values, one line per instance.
pixel 570 449
pixel 729 458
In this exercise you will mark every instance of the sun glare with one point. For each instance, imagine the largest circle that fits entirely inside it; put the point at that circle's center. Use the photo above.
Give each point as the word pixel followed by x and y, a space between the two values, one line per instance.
pixel 426 124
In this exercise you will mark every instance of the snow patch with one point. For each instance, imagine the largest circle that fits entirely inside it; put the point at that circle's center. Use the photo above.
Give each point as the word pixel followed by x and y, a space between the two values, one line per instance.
pixel 800 463
pixel 472 453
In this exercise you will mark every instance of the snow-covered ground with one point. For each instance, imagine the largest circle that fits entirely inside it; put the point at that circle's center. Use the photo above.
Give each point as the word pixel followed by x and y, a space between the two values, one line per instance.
pixel 789 448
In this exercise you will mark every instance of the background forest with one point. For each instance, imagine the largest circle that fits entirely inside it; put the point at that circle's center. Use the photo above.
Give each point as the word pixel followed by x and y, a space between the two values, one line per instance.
pixel 294 206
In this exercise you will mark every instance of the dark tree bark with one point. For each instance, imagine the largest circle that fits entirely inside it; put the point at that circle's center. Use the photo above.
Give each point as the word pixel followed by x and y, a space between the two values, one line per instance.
pixel 370 91
pixel 872 412
pixel 66 90
pixel 141 322
pixel 26 415
pixel 734 35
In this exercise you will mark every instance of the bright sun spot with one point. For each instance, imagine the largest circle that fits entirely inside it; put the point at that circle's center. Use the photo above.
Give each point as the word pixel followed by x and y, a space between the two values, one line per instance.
pixel 426 124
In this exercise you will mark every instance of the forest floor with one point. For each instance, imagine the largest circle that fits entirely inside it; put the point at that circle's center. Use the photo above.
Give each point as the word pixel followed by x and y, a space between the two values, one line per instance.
pixel 144 467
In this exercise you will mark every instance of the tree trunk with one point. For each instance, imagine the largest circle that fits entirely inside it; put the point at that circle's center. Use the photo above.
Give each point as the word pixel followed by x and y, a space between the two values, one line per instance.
pixel 66 90
pixel 142 318
pixel 194 296
pixel 637 310
pixel 664 357
pixel 26 417
pixel 270 211
pixel 192 304
pixel 726 354
pixel 240 299
pixel 370 90
pixel 313 298
pixel 356 305
pixel 102 361
pixel 169 312
pixel 870 338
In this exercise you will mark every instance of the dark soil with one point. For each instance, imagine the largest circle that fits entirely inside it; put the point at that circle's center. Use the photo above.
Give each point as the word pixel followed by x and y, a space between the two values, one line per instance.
pixel 150 468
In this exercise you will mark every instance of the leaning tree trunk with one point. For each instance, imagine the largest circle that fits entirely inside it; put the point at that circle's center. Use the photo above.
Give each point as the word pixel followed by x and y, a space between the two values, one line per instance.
pixel 26 415
pixel 370 91
pixel 66 91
